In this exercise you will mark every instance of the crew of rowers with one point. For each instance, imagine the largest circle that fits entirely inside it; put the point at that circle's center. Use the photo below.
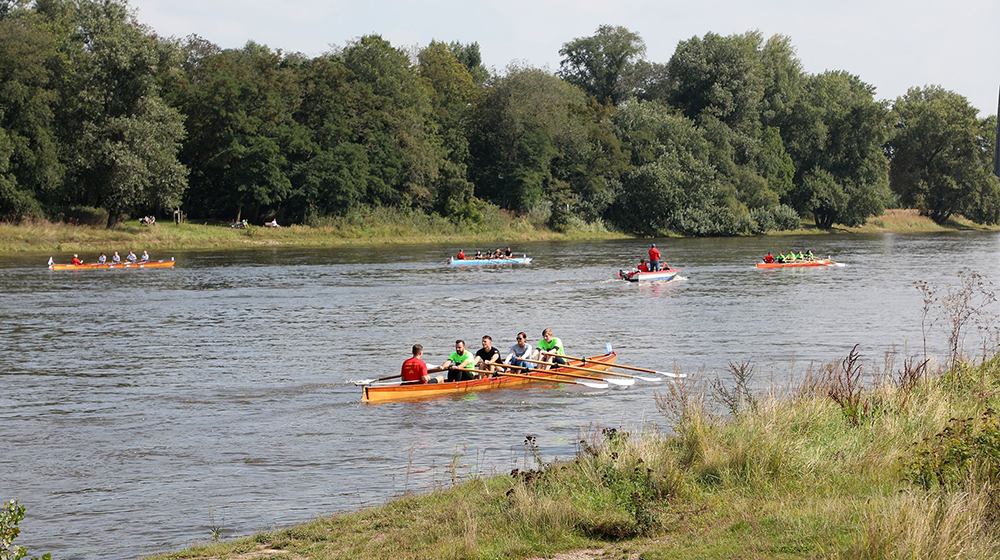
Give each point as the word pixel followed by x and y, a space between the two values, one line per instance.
pixel 116 258
pixel 462 364
pixel 488 255
pixel 791 257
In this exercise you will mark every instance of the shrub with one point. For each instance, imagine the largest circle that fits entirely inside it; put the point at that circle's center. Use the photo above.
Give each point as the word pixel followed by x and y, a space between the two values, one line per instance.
pixel 12 514
pixel 785 218
pixel 85 216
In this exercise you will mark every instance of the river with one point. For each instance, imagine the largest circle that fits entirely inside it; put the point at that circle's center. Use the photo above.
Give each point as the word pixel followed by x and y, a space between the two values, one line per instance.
pixel 140 409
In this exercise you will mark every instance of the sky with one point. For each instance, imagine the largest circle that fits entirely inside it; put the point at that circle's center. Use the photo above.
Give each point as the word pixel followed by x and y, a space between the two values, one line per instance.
pixel 891 44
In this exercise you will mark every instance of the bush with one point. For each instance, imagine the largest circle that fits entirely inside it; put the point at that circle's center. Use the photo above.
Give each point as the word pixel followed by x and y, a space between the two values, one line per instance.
pixel 785 218
pixel 85 216
pixel 765 220
pixel 10 516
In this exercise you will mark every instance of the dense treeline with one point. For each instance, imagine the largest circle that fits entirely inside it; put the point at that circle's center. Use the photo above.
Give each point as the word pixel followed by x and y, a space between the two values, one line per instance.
pixel 730 136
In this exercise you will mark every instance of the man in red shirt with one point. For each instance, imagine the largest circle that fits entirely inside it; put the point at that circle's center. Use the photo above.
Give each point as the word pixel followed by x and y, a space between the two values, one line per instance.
pixel 415 370
pixel 76 260
pixel 654 258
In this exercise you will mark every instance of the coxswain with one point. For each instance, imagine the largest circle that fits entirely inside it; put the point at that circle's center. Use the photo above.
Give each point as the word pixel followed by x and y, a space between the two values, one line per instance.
pixel 769 258
pixel 414 370
pixel 76 260
pixel 550 349
pixel 458 362
pixel 145 257
pixel 102 259
pixel 460 256
pixel 115 259
pixel 131 257
pixel 654 258
pixel 520 352
pixel 487 356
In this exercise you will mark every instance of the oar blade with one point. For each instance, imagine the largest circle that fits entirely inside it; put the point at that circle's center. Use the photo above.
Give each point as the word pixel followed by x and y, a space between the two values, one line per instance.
pixel 672 374
pixel 592 384
pixel 620 382
pixel 650 379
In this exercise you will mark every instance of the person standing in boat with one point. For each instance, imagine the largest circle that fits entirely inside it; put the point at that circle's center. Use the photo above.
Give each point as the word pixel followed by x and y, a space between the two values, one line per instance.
pixel 414 370
pixel 550 349
pixel 519 352
pixel 487 356
pixel 654 258
pixel 459 362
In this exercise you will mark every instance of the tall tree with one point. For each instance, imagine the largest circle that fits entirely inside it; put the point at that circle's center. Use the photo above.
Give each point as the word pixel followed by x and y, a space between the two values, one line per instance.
pixel 128 138
pixel 600 63
pixel 940 157
pixel 835 139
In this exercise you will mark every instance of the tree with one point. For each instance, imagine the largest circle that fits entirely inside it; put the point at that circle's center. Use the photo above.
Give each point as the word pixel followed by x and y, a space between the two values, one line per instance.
pixel 940 157
pixel 128 139
pixel 599 64
pixel 838 128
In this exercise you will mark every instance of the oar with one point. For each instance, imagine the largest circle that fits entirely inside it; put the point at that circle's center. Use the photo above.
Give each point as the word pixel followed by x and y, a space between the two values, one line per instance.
pixel 590 384
pixel 370 381
pixel 633 368
pixel 607 372
pixel 622 382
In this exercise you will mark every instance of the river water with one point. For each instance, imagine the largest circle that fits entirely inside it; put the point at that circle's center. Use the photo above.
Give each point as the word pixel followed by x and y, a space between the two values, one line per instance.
pixel 140 409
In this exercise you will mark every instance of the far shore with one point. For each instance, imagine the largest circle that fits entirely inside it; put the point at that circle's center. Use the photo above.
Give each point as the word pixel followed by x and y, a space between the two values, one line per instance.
pixel 373 229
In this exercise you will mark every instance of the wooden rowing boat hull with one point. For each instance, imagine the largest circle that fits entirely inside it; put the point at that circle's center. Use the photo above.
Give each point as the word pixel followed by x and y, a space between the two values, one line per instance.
pixel 95 266
pixel 418 391
pixel 460 262
pixel 818 262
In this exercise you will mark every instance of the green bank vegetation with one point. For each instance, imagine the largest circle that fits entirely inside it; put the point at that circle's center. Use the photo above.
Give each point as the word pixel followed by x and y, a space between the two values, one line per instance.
pixel 894 460
pixel 730 136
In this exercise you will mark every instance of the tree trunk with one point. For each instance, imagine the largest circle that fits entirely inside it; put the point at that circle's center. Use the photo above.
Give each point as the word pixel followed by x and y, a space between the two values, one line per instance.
pixel 239 213
pixel 112 219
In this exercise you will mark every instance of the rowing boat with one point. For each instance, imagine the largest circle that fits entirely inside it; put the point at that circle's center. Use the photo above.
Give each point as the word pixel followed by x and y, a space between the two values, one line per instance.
pixel 637 276
pixel 390 393
pixel 515 260
pixel 817 262
pixel 94 266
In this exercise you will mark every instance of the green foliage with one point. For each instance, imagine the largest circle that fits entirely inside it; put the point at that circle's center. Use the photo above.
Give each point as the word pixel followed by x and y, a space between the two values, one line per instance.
pixel 10 516
pixel 941 156
pixel 599 64
pixel 966 451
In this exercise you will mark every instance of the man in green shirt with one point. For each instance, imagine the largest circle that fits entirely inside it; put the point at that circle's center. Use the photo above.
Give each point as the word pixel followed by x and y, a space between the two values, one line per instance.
pixel 459 361
pixel 551 345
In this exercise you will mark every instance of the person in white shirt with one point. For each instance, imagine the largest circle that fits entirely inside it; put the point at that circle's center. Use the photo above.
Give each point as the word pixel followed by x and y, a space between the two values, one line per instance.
pixel 519 352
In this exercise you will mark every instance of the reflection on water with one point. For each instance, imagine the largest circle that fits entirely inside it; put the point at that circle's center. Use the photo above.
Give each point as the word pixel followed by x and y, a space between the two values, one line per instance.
pixel 142 407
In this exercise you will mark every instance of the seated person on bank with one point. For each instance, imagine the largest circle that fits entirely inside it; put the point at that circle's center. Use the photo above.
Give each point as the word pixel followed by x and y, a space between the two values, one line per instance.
pixel 459 362
pixel 488 356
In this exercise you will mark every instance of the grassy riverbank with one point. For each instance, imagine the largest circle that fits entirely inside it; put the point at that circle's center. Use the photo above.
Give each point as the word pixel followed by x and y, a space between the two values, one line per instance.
pixel 377 226
pixel 905 467
pixel 380 226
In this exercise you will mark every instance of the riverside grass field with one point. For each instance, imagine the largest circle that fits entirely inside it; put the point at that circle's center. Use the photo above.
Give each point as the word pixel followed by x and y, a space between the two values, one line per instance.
pixel 373 226
pixel 904 464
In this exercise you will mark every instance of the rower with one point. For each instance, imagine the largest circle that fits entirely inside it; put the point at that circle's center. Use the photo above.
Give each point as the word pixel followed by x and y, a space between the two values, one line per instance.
pixel 519 352
pixel 145 257
pixel 790 257
pixel 131 257
pixel 76 259
pixel 414 370
pixel 459 360
pixel 552 345
pixel 460 256
pixel 810 256
pixel 509 254
pixel 115 259
pixel 479 254
pixel 487 356
pixel 102 259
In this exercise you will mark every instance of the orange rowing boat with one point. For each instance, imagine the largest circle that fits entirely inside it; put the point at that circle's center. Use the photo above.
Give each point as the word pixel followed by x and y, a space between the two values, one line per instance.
pixel 94 266
pixel 415 391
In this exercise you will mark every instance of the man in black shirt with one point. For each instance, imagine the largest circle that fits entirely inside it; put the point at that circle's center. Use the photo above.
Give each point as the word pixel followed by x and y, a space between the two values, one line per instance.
pixel 487 355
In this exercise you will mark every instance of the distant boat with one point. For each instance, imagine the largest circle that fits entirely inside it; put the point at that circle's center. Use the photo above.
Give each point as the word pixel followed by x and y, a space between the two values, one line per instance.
pixel 94 266
pixel 514 260
pixel 817 262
